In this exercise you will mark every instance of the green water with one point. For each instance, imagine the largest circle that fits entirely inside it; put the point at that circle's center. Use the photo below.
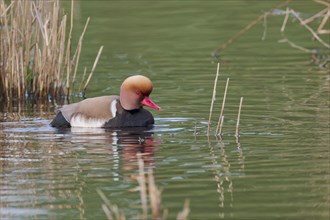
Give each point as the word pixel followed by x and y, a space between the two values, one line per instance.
pixel 280 168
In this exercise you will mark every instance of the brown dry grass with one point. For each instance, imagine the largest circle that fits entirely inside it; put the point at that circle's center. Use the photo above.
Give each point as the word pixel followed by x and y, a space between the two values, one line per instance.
pixel 36 55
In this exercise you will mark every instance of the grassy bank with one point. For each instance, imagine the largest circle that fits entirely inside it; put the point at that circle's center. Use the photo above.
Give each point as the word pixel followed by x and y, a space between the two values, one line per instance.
pixel 37 58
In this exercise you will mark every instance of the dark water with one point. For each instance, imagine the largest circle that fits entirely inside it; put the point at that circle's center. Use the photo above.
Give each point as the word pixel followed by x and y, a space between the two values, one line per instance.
pixel 280 168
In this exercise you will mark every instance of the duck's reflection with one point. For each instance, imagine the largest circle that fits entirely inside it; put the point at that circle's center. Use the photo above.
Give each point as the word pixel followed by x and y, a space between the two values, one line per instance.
pixel 122 145
pixel 54 174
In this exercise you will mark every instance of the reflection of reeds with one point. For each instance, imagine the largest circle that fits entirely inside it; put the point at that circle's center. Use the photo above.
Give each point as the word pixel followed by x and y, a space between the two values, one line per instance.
pixel 223 175
pixel 154 195
pixel 36 51
pixel 111 211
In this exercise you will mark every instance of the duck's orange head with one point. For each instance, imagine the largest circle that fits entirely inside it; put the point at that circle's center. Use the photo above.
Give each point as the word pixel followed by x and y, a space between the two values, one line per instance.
pixel 135 91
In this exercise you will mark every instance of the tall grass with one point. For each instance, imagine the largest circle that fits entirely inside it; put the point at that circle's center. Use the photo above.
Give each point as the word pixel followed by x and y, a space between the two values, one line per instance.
pixel 36 55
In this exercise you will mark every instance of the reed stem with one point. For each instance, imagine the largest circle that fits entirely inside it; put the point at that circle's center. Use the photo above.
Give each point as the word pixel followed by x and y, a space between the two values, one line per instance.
pixel 221 125
pixel 222 109
pixel 315 35
pixel 287 13
pixel 76 56
pixel 35 50
pixel 93 69
pixel 213 99
pixel 246 28
pixel 238 119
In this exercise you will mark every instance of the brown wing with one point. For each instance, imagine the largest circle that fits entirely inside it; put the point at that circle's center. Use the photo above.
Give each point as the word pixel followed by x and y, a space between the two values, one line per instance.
pixel 97 108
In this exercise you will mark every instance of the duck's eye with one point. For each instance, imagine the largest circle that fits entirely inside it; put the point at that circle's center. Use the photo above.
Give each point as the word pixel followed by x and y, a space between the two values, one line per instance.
pixel 139 93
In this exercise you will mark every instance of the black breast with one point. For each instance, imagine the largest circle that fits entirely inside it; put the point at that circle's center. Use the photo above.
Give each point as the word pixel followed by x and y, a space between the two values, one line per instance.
pixel 133 118
pixel 60 122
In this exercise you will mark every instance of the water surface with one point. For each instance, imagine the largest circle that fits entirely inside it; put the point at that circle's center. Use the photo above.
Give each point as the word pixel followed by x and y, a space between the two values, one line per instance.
pixel 280 168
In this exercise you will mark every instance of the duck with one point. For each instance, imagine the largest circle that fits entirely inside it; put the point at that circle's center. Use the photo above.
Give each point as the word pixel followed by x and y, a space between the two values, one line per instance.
pixel 112 111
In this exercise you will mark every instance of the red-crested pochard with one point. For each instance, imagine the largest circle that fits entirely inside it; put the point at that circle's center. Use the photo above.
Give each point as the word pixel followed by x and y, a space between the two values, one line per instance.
pixel 113 111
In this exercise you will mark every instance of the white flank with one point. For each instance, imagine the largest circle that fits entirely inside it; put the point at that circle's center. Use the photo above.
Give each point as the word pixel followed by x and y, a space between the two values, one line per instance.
pixel 114 108
pixel 81 121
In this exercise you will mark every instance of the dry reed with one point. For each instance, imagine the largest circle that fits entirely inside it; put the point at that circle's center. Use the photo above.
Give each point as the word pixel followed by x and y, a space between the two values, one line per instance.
pixel 319 55
pixel 219 126
pixel 238 119
pixel 213 99
pixel 36 50
pixel 315 34
pixel 218 131
pixel 220 122
pixel 245 29
pixel 148 190
pixel 93 68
